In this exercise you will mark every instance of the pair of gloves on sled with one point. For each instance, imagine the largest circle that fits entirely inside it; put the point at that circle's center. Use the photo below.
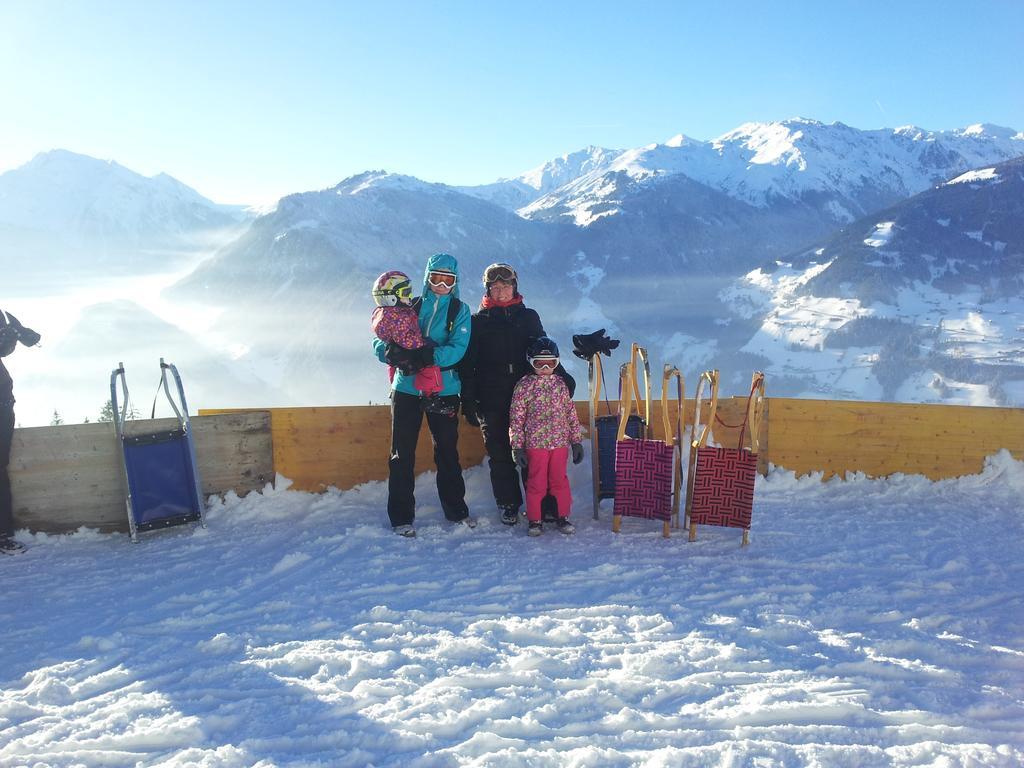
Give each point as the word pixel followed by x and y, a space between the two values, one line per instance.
pixel 519 455
pixel 586 345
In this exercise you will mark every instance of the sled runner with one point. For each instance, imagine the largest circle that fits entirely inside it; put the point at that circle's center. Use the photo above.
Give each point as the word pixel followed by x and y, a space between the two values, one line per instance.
pixel 649 472
pixel 163 485
pixel 603 429
pixel 720 487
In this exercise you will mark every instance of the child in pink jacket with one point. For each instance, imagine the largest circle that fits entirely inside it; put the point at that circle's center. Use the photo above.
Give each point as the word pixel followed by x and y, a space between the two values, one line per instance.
pixel 396 320
pixel 543 428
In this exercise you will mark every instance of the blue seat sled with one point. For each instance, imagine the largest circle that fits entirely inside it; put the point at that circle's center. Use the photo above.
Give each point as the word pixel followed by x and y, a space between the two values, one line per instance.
pixel 163 484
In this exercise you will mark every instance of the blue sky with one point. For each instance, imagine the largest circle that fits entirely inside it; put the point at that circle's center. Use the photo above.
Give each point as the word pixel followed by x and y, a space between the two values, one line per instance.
pixel 246 101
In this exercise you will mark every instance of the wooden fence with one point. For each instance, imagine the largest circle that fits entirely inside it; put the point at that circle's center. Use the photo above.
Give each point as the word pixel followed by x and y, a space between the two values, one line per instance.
pixel 68 476
pixel 346 446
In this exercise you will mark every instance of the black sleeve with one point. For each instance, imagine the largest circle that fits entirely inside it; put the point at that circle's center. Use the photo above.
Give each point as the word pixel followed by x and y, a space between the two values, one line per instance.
pixel 570 382
pixel 467 365
pixel 533 326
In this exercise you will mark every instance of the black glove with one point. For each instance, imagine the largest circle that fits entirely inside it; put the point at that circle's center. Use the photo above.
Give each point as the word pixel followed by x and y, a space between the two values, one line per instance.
pixel 405 360
pixel 469 411
pixel 519 457
pixel 423 357
pixel 586 345
pixel 577 453
pixel 26 336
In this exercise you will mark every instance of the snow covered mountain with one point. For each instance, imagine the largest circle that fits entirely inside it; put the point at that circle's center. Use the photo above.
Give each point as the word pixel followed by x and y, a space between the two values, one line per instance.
pixel 296 284
pixel 63 211
pixel 641 241
pixel 843 171
pixel 701 250
pixel 919 302
pixel 521 191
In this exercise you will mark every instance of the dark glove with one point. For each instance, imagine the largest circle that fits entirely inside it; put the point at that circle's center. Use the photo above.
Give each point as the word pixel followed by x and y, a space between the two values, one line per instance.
pixel 26 336
pixel 405 360
pixel 423 357
pixel 577 453
pixel 586 345
pixel 519 457
pixel 469 411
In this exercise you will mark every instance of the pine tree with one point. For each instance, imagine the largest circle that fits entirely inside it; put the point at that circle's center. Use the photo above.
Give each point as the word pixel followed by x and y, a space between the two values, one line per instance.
pixel 106 412
pixel 57 420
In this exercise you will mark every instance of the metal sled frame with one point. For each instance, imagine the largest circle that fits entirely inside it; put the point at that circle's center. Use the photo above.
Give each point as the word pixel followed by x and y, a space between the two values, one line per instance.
pixel 160 469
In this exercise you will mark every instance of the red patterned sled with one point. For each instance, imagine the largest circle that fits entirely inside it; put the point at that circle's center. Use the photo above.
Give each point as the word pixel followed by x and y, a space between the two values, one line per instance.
pixel 721 484
pixel 646 480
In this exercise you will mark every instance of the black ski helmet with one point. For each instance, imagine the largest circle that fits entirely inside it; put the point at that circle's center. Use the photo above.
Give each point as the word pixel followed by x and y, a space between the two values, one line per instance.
pixel 543 346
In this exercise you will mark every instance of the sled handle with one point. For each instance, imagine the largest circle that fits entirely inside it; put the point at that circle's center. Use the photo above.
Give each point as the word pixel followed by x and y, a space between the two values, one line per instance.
pixel 627 382
pixel 676 442
pixel 668 373
pixel 596 374
pixel 636 351
pixel 755 409
pixel 711 378
pixel 122 415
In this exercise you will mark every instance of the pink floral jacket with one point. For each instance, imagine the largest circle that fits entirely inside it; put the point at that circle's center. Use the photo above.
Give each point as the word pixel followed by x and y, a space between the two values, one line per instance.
pixel 397 324
pixel 542 414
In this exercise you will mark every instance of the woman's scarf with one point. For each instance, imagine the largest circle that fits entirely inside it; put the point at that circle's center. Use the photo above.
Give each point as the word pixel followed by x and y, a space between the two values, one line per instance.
pixel 487 302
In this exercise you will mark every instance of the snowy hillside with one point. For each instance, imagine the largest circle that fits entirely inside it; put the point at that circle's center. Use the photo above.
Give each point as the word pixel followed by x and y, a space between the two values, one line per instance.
pixel 860 628
pixel 920 303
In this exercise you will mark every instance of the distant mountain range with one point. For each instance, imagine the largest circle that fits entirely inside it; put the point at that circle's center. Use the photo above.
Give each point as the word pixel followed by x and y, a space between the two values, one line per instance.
pixel 65 212
pixel 791 246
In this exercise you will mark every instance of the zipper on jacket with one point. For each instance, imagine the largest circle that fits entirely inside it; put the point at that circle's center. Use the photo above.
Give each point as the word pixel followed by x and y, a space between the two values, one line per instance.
pixel 433 314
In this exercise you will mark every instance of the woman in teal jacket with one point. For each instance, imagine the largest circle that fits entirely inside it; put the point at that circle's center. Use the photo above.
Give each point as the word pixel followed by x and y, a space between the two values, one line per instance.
pixel 445 321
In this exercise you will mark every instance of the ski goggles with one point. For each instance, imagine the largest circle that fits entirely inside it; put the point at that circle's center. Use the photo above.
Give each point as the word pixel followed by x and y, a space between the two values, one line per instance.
pixel 437 279
pixel 502 272
pixel 403 290
pixel 550 363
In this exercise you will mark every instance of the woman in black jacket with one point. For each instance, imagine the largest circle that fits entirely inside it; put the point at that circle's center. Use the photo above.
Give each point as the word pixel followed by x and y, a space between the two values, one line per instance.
pixel 495 361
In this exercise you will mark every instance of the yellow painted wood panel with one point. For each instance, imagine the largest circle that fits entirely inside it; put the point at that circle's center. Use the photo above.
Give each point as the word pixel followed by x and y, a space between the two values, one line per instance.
pixel 345 446
pixel 879 439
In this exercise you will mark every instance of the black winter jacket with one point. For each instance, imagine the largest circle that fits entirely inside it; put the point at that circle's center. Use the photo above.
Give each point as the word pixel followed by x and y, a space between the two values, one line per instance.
pixel 496 358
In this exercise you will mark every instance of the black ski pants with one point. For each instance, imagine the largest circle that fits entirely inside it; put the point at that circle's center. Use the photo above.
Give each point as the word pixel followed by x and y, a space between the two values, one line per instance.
pixel 504 473
pixel 406 419
pixel 6 437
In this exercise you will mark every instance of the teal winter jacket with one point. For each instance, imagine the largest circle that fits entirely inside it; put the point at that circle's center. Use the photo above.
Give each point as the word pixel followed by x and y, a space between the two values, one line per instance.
pixel 433 324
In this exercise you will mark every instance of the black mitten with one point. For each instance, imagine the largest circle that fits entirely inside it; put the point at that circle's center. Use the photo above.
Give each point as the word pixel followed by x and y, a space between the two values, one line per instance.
pixel 401 358
pixel 586 345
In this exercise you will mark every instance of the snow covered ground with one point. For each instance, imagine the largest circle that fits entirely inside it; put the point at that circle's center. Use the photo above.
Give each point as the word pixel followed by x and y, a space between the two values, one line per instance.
pixel 869 623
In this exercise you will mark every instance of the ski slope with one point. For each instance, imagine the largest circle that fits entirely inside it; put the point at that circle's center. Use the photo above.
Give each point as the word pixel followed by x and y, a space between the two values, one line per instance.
pixel 869 623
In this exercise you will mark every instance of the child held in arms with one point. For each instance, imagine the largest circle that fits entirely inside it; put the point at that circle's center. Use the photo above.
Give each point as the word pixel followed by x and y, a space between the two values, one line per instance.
pixel 543 429
pixel 395 320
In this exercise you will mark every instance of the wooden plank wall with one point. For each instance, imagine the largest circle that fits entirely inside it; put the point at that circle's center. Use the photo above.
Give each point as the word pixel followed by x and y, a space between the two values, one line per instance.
pixel 344 446
pixel 70 476
pixel 938 441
